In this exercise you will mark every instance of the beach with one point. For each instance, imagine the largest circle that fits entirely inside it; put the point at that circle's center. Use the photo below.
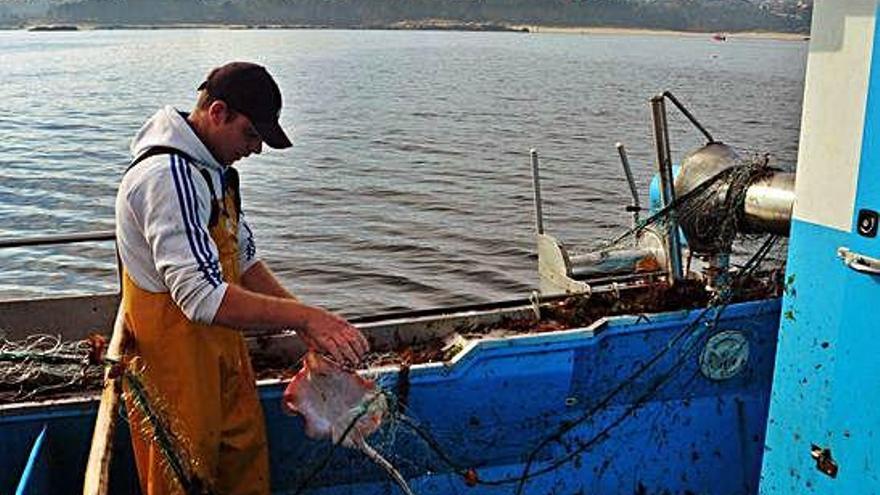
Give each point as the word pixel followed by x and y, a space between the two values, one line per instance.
pixel 594 30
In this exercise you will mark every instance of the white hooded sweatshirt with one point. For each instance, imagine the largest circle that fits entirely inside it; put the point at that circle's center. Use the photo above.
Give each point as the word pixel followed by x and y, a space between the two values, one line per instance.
pixel 162 212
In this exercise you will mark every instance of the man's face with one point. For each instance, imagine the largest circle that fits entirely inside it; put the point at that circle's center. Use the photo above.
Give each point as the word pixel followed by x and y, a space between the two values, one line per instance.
pixel 233 135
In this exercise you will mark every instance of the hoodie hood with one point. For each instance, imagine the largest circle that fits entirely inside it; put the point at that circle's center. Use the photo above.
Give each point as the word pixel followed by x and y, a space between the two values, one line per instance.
pixel 169 128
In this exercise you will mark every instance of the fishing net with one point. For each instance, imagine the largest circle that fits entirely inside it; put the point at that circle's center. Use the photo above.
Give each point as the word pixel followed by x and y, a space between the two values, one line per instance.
pixel 154 418
pixel 712 212
pixel 419 447
pixel 363 422
pixel 45 365
pixel 39 365
pixel 341 406
pixel 331 399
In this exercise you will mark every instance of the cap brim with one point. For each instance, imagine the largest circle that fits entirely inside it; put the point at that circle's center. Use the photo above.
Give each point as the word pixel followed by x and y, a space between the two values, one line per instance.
pixel 273 135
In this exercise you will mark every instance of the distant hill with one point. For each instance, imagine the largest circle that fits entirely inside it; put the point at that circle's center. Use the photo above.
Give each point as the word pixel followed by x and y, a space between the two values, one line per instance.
pixel 686 15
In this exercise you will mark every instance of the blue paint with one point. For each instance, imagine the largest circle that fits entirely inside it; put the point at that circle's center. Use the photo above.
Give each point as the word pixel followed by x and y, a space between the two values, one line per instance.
pixel 65 447
pixel 655 200
pixel 827 379
pixel 34 478
pixel 680 432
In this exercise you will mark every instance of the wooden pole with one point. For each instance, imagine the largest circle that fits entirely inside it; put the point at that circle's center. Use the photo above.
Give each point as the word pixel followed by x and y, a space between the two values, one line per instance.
pixel 97 479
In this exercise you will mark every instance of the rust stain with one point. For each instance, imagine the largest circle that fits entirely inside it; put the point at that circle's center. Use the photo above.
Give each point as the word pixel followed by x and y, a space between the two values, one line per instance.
pixel 471 478
pixel 825 463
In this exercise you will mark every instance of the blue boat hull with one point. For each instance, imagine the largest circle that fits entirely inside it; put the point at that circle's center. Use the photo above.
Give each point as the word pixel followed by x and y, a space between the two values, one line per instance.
pixel 619 407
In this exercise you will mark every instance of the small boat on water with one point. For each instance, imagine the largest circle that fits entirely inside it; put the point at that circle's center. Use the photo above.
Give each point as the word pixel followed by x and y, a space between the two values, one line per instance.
pixel 657 364
pixel 719 37
pixel 53 28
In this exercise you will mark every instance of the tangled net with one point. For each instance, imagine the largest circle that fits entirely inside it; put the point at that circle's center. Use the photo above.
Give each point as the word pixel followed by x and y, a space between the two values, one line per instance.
pixel 416 448
pixel 45 364
pixel 340 405
pixel 156 423
pixel 42 365
pixel 713 211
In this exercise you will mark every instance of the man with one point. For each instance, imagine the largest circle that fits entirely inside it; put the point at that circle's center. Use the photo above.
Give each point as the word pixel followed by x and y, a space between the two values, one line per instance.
pixel 191 279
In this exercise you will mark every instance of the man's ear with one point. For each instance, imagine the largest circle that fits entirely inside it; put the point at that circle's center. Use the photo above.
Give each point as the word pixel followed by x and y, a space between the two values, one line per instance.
pixel 218 112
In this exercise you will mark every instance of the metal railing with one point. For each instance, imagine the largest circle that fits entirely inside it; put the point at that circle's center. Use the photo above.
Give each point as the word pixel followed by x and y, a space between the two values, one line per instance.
pixel 49 240
pixel 103 235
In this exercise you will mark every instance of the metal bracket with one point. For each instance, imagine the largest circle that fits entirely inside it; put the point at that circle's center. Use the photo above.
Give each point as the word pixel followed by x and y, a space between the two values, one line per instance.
pixel 554 269
pixel 859 262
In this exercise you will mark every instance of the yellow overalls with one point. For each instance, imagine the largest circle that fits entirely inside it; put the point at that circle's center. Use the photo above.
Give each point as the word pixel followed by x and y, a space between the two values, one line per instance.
pixel 201 377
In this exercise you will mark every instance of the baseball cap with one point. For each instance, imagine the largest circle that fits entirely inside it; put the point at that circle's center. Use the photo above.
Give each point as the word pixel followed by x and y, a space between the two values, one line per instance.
pixel 248 89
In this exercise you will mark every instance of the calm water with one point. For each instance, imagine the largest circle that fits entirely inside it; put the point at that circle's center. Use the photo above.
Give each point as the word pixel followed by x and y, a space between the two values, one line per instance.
pixel 409 183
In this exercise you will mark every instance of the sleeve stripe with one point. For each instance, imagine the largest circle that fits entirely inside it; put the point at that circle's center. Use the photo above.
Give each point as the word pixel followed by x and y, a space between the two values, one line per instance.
pixel 198 234
pixel 178 175
pixel 202 238
pixel 185 201
pixel 189 211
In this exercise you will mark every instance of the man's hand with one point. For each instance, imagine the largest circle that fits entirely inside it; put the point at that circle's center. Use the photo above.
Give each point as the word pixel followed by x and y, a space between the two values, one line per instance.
pixel 330 333
pixel 320 329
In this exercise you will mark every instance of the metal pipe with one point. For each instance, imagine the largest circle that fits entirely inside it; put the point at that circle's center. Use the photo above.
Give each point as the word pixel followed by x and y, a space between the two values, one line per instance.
pixel 636 207
pixel 689 116
pixel 611 262
pixel 536 183
pixel 48 240
pixel 667 189
pixel 768 204
pixel 104 235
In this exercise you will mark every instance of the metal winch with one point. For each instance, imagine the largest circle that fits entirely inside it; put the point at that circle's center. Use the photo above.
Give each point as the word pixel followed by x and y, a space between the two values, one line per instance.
pixel 715 197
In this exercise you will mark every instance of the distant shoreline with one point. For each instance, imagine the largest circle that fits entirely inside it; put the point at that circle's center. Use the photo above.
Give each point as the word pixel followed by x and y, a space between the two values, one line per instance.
pixel 429 25
pixel 772 35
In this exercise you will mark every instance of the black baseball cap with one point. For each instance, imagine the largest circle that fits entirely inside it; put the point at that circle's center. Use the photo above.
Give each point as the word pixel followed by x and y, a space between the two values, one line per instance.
pixel 249 89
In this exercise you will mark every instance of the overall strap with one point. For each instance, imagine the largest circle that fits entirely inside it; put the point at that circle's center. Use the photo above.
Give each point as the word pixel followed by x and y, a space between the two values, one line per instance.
pixel 158 150
pixel 215 210
pixel 167 150
pixel 233 186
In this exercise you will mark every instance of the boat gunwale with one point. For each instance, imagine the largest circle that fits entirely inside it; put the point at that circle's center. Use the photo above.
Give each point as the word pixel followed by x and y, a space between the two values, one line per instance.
pixel 424 372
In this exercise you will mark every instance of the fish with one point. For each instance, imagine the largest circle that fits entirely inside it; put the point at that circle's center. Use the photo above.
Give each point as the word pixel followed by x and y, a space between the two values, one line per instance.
pixel 336 403
pixel 339 405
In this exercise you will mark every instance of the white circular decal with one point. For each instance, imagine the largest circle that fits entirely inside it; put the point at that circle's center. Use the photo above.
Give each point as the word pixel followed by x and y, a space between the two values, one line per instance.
pixel 725 355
